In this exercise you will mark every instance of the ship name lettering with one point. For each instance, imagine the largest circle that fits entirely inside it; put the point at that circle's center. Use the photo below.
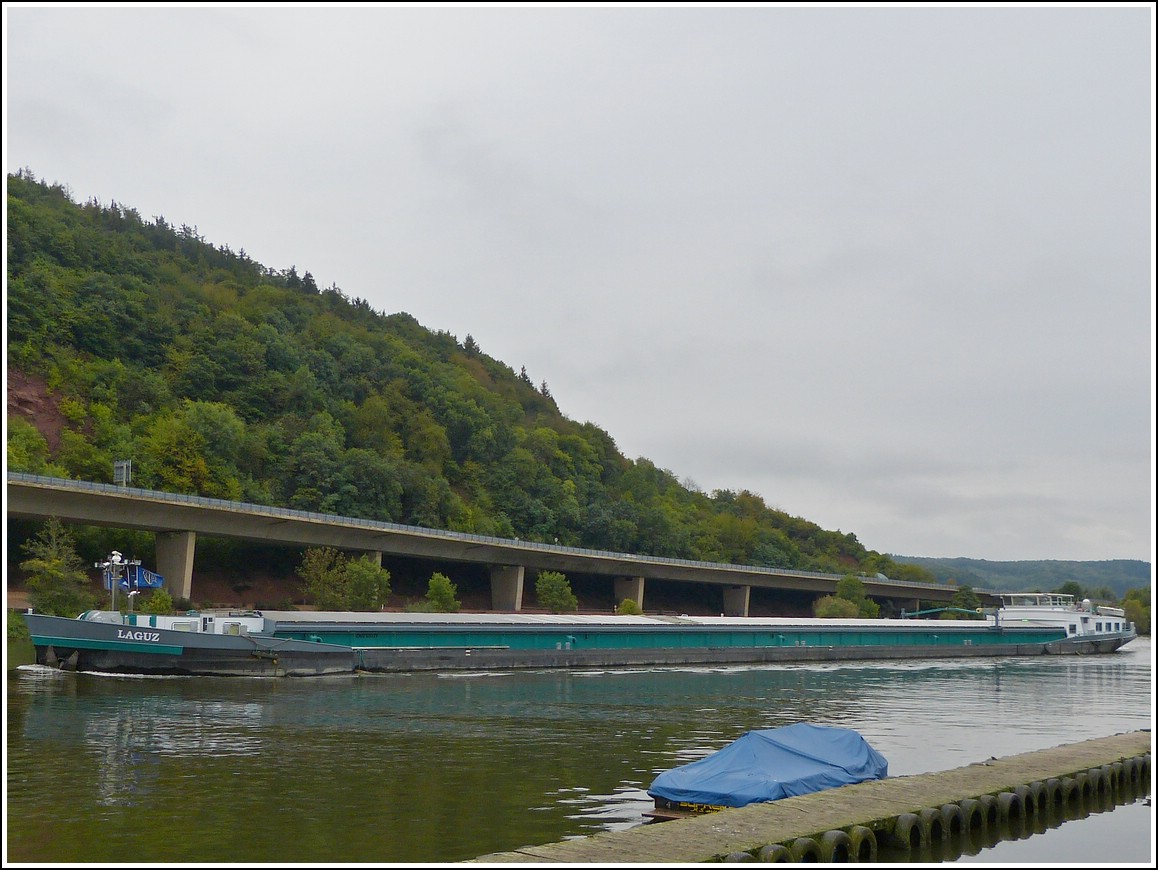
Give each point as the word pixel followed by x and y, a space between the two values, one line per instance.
pixel 125 634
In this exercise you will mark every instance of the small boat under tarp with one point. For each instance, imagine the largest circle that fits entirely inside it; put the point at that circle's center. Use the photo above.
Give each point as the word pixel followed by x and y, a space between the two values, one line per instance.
pixel 766 765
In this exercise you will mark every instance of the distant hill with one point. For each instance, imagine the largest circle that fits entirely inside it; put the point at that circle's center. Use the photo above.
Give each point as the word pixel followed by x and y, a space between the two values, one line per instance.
pixel 1116 575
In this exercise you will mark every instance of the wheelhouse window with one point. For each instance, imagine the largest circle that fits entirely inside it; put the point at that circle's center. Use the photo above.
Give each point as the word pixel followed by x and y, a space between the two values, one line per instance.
pixel 1073 628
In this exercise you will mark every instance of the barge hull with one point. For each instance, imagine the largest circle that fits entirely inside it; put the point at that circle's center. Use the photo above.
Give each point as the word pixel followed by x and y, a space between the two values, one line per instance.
pixel 340 660
pixel 393 660
pixel 198 662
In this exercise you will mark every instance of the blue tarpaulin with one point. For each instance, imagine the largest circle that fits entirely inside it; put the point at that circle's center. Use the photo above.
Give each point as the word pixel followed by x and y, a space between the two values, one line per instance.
pixel 773 763
pixel 136 577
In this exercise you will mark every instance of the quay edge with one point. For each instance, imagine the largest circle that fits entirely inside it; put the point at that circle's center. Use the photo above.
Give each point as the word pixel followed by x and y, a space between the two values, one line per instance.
pixel 875 805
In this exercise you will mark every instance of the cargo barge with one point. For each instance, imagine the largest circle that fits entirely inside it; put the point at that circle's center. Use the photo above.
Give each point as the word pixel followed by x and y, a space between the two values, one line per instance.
pixel 301 643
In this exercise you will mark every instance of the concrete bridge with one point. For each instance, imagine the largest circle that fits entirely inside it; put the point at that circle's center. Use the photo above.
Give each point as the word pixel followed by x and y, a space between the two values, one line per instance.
pixel 177 520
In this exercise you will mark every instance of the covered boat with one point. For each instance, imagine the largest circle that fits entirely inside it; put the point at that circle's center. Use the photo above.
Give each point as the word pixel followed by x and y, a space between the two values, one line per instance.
pixel 766 765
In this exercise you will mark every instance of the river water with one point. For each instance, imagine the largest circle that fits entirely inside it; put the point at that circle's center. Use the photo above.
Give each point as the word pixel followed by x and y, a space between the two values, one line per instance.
pixel 433 768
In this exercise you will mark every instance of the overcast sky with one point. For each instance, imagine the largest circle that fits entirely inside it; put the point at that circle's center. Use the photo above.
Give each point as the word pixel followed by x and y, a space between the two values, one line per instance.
pixel 889 268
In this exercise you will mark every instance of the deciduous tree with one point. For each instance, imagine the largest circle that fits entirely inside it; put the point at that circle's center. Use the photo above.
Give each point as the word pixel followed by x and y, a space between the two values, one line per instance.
pixel 159 602
pixel 57 582
pixel 832 607
pixel 441 594
pixel 851 588
pixel 553 591
pixel 324 571
pixel 367 585
pixel 336 582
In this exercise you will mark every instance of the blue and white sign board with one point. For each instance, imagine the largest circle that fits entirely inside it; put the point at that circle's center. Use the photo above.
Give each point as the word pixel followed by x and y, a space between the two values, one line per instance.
pixel 136 577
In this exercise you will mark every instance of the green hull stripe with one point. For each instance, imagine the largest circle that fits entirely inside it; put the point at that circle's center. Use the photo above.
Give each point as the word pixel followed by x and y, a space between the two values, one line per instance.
pixel 110 645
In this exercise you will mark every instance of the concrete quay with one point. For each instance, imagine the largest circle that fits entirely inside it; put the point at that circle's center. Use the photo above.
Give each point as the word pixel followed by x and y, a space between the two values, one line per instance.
pixel 852 818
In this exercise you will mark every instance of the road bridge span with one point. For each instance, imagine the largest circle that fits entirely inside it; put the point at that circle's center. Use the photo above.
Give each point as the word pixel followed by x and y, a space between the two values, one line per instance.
pixel 177 520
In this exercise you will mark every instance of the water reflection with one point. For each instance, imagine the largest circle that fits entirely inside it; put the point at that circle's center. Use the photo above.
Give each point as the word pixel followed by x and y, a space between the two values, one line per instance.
pixel 126 736
pixel 446 767
pixel 161 723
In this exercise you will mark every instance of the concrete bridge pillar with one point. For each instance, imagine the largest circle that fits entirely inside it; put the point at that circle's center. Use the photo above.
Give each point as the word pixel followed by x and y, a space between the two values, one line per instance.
pixel 507 588
pixel 374 556
pixel 175 561
pixel 629 588
pixel 736 600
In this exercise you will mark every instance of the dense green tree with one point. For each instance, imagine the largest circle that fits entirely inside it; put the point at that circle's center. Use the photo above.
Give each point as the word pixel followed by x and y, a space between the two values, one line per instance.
pixel 834 607
pixel 608 525
pixel 336 582
pixel 56 577
pixel 159 602
pixel 312 465
pixel 83 460
pixel 628 607
pixel 553 591
pixel 911 573
pixel 28 450
pixel 220 430
pixel 1136 603
pixel 324 571
pixel 114 438
pixel 441 595
pixel 171 457
pixel 851 588
pixel 367 485
pixel 1140 594
pixel 366 585
pixel 373 424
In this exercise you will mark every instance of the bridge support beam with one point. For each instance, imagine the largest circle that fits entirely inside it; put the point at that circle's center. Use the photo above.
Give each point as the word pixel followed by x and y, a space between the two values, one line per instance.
pixel 175 561
pixel 736 600
pixel 629 588
pixel 507 588
pixel 374 556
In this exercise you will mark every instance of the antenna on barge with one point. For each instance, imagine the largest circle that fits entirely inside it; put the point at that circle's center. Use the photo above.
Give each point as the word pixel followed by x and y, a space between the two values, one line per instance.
pixel 113 566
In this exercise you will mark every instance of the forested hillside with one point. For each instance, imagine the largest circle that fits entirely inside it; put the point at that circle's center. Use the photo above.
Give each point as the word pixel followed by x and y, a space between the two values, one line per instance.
pixel 221 377
pixel 1107 580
